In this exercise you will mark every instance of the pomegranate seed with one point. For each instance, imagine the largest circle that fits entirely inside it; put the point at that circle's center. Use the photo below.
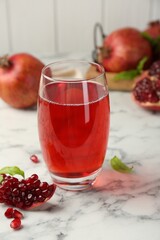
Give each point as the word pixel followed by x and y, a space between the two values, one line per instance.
pixel 33 177
pixel 29 196
pixel 36 183
pixel 157 85
pixel 51 188
pixel 15 192
pixel 29 186
pixel 22 187
pixel 28 203
pixel 153 97
pixel 9 212
pixel 7 183
pixel 17 214
pixel 40 198
pixel 19 205
pixel 34 158
pixel 45 193
pixel 16 223
pixel 43 185
pixel 37 191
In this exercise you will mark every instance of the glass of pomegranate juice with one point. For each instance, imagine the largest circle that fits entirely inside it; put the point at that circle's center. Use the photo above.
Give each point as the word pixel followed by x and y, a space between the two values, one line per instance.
pixel 73 121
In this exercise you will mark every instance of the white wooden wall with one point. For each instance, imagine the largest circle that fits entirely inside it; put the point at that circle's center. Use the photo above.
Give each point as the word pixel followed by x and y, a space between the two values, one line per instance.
pixel 48 27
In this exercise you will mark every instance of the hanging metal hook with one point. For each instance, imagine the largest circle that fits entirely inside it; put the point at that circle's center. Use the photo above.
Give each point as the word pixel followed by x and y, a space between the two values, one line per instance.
pixel 97 27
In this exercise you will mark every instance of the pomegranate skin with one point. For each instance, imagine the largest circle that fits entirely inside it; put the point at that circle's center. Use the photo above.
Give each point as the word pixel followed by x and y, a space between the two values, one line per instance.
pixel 125 48
pixel 19 82
pixel 147 106
pixel 153 29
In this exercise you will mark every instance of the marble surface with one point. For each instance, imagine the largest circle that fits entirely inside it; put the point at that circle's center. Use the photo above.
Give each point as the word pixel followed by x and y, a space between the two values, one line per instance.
pixel 119 207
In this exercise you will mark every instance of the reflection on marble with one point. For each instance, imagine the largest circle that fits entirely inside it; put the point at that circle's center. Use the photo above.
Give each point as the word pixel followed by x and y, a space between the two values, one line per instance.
pixel 119 207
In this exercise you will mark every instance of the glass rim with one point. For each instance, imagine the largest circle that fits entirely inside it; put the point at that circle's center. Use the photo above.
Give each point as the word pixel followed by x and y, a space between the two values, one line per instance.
pixel 72 79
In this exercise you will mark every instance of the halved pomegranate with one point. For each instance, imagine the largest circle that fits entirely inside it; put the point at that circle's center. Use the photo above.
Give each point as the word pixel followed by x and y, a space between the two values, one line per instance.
pixel 146 91
pixel 26 193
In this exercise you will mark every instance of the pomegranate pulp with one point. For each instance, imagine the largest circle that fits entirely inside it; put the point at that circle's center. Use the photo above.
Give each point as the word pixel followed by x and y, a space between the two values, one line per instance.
pixel 73 121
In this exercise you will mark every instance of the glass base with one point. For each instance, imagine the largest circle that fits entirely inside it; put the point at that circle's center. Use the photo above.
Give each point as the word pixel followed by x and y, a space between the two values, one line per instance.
pixel 75 184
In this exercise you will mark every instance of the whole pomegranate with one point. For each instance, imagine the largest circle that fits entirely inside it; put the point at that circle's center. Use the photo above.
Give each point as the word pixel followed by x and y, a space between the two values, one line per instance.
pixel 153 29
pixel 152 34
pixel 146 91
pixel 19 79
pixel 123 49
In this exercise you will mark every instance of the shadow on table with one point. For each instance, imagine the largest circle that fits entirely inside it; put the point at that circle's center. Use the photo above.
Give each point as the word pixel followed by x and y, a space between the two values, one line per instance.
pixel 48 207
pixel 118 183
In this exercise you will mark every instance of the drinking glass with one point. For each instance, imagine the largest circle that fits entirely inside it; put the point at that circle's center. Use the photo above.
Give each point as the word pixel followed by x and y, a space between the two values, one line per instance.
pixel 73 121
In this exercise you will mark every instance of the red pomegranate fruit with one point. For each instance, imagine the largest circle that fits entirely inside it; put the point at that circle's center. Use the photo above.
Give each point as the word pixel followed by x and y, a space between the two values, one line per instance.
pixel 19 79
pixel 123 49
pixel 152 34
pixel 146 91
pixel 153 29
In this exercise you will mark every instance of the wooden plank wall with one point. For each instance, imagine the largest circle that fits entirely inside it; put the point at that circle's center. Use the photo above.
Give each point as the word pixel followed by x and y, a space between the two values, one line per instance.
pixel 48 27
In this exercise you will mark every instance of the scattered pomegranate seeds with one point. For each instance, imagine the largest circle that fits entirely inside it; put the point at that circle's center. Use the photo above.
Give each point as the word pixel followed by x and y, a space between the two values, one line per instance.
pixel 34 158
pixel 9 212
pixel 17 214
pixel 13 213
pixel 16 223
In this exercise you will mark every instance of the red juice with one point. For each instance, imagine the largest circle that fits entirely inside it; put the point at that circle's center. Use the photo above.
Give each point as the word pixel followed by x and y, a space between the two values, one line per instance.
pixel 73 123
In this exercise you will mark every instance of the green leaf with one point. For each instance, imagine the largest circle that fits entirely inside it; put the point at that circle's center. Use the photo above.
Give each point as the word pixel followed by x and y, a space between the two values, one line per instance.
pixel 151 40
pixel 155 43
pixel 141 64
pixel 126 75
pixel 119 166
pixel 12 171
pixel 130 74
pixel 1 178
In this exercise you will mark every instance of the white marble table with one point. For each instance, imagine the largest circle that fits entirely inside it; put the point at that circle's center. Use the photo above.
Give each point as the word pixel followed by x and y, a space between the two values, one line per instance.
pixel 119 207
